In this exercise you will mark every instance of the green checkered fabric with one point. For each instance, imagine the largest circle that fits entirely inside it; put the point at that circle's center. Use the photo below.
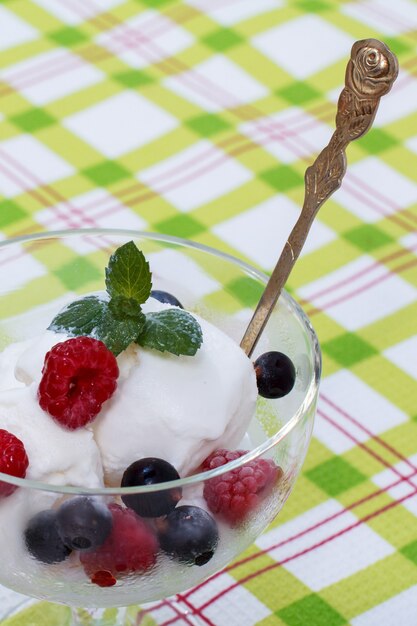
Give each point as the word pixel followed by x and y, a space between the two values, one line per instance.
pixel 198 119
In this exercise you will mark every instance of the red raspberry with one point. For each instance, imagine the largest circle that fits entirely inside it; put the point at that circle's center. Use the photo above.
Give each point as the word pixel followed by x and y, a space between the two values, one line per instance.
pixel 131 547
pixel 234 494
pixel 77 377
pixel 13 460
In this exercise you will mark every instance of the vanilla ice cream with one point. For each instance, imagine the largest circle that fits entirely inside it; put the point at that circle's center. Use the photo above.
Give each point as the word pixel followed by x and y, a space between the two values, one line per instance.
pixel 8 361
pixel 177 408
pixel 57 456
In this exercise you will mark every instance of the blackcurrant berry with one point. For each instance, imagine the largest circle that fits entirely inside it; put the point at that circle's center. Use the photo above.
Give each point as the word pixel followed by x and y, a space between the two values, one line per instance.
pixel 165 297
pixel 275 374
pixel 151 471
pixel 43 540
pixel 83 523
pixel 189 534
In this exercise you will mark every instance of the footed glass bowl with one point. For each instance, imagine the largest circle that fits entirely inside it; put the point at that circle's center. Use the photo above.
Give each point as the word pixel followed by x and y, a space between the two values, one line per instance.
pixel 41 273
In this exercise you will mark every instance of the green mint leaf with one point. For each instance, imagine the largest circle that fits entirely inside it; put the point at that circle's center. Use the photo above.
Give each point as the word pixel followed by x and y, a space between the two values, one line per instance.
pixel 118 333
pixel 128 274
pixel 123 308
pixel 79 318
pixel 99 319
pixel 171 330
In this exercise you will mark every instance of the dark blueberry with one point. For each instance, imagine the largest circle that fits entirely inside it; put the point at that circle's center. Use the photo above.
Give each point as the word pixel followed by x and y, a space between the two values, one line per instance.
pixel 83 523
pixel 151 471
pixel 189 534
pixel 165 297
pixel 275 374
pixel 43 540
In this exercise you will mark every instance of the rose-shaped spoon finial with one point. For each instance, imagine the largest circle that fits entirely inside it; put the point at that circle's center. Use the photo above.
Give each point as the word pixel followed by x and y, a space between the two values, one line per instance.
pixel 370 73
pixel 371 70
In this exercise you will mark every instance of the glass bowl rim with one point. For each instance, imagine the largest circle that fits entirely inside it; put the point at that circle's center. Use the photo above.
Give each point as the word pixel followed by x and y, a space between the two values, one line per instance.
pixel 259 451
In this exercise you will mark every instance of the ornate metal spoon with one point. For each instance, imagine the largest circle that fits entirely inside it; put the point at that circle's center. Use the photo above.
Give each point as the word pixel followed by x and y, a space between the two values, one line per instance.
pixel 370 74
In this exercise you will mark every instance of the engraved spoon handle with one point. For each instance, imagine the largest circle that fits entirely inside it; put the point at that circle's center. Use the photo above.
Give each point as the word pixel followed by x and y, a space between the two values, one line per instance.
pixel 370 74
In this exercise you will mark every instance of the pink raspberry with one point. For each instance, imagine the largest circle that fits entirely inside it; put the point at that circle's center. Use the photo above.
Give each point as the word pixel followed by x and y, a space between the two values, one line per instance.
pixel 77 377
pixel 131 547
pixel 13 460
pixel 235 494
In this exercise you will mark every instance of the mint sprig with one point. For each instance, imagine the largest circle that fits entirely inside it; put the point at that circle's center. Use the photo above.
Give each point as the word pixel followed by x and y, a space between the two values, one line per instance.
pixel 118 320
pixel 171 330
pixel 128 274
pixel 96 318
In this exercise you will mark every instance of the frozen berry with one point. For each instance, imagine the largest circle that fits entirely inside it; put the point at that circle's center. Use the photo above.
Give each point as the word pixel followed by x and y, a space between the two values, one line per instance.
pixel 103 579
pixel 132 546
pixel 165 298
pixel 43 540
pixel 275 374
pixel 189 534
pixel 151 471
pixel 234 494
pixel 13 460
pixel 77 377
pixel 83 523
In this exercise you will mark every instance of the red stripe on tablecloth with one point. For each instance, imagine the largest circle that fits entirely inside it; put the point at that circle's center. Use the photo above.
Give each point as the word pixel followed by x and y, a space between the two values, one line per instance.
pixel 364 447
pixel 46 70
pixel 388 17
pixel 358 290
pixel 161 605
pixel 38 194
pixel 366 430
pixel 12 176
pixel 370 192
pixel 373 266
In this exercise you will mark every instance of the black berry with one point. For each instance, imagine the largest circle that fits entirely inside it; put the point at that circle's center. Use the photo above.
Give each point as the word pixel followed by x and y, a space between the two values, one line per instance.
pixel 189 534
pixel 165 297
pixel 151 471
pixel 83 523
pixel 275 374
pixel 43 540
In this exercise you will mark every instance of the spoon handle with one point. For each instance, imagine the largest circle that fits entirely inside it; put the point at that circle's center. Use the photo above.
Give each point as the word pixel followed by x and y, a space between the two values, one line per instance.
pixel 370 74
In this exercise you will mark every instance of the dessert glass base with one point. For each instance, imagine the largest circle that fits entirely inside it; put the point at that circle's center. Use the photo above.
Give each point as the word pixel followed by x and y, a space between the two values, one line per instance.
pixel 38 613
pixel 38 276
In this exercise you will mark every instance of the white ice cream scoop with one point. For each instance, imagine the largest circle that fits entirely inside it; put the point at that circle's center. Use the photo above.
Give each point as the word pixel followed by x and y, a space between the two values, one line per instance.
pixel 178 408
pixel 57 456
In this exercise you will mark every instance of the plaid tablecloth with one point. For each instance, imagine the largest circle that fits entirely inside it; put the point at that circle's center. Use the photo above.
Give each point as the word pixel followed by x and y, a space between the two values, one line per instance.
pixel 198 119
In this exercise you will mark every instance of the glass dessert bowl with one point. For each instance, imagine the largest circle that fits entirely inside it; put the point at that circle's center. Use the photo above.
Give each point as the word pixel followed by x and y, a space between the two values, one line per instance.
pixel 72 530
